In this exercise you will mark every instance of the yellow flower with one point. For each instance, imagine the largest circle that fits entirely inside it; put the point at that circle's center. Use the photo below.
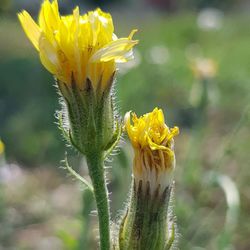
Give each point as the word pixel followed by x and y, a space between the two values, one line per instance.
pixel 1 147
pixel 77 47
pixel 153 144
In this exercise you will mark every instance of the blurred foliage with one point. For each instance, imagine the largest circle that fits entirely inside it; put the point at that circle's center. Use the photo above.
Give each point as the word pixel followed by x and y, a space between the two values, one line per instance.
pixel 42 204
pixel 211 3
pixel 28 128
pixel 4 5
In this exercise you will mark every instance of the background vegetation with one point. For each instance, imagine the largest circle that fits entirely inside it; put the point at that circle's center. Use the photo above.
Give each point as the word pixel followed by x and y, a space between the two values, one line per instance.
pixel 41 208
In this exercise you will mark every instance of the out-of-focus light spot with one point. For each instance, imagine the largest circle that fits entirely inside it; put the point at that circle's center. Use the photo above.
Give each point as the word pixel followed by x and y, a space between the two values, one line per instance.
pixel 49 243
pixel 230 189
pixel 62 196
pixel 126 67
pixel 11 174
pixel 14 216
pixel 210 19
pixel 38 207
pixel 204 68
pixel 232 197
pixel 158 54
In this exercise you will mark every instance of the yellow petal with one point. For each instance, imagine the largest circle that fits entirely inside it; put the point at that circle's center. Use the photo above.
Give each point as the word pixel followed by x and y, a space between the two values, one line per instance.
pixel 31 29
pixel 49 19
pixel 129 128
pixel 127 122
pixel 118 50
pixel 150 131
pixel 155 146
pixel 173 132
pixel 48 55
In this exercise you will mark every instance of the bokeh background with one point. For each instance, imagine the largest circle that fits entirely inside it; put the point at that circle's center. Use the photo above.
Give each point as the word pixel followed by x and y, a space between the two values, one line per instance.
pixel 193 61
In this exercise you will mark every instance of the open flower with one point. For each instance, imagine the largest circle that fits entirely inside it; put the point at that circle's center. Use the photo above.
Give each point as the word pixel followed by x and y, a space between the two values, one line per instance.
pixel 81 51
pixel 153 145
pixel 77 47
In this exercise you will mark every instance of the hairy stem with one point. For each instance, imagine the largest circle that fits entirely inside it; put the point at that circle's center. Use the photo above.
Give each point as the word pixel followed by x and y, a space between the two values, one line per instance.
pixel 97 175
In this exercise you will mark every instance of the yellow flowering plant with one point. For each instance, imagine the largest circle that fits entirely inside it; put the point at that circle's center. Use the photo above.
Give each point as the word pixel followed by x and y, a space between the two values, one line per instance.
pixel 82 52
pixel 147 224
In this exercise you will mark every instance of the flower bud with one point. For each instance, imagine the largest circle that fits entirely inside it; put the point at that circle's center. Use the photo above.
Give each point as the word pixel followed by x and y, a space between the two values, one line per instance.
pixel 147 223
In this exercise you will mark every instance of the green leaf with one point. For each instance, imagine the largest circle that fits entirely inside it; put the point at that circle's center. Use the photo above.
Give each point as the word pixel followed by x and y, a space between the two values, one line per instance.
pixel 69 242
pixel 76 175
pixel 114 140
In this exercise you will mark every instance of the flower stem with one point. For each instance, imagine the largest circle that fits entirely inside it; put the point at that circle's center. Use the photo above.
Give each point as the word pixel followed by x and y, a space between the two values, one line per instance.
pixel 97 175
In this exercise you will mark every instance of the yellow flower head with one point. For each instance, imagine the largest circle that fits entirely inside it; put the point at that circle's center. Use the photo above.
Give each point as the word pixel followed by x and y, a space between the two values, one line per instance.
pixel 77 47
pixel 153 143
pixel 1 147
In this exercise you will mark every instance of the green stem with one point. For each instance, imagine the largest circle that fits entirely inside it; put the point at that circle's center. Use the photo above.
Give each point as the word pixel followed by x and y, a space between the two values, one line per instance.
pixel 145 226
pixel 97 175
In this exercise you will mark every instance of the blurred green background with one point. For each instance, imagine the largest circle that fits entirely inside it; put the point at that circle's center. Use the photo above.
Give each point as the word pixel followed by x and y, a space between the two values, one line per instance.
pixel 43 208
